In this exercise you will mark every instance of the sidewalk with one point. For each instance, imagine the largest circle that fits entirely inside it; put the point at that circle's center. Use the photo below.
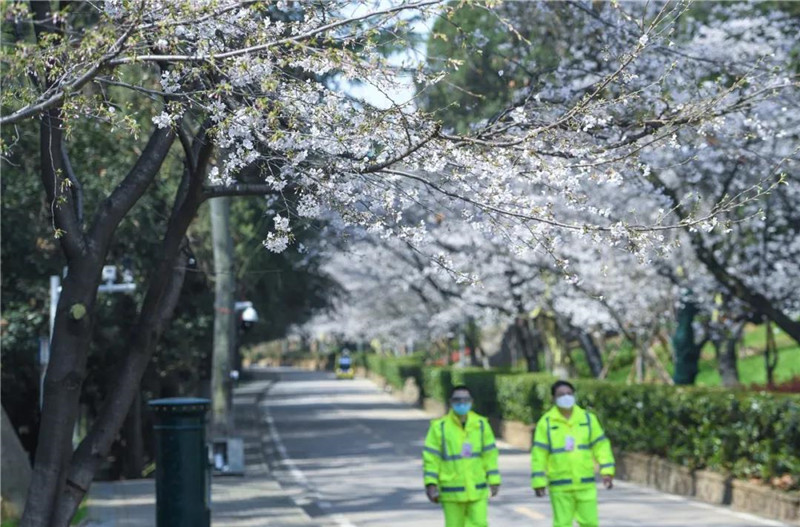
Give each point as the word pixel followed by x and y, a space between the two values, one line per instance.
pixel 253 500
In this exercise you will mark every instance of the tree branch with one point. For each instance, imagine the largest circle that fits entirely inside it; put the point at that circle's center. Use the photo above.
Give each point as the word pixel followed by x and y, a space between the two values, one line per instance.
pixel 238 189
pixel 130 190
pixel 64 90
pixel 75 184
pixel 66 226
pixel 262 47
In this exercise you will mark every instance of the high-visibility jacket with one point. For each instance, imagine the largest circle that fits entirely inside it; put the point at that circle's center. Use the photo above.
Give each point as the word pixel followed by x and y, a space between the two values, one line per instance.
pixel 461 460
pixel 564 464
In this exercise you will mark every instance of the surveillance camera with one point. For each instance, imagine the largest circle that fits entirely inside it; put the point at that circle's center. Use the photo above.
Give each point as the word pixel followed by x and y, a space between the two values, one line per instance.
pixel 109 273
pixel 249 317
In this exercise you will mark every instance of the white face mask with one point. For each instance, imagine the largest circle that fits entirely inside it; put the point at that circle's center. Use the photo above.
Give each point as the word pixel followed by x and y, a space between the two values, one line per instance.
pixel 566 401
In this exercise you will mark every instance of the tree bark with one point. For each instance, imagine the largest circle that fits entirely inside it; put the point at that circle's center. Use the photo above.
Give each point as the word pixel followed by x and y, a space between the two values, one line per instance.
pixel 770 356
pixel 159 303
pixel 725 345
pixel 593 356
pixel 132 434
pixel 528 343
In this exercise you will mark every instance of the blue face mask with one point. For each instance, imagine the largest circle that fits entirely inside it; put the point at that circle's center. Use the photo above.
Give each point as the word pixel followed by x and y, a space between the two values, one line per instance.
pixel 462 408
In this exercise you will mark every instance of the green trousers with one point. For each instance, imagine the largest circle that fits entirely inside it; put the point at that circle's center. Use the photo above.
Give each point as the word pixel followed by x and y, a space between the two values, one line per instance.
pixel 466 513
pixel 580 505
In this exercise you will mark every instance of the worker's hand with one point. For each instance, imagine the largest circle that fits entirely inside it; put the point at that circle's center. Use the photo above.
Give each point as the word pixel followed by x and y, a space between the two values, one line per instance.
pixel 495 489
pixel 608 481
pixel 433 493
pixel 540 492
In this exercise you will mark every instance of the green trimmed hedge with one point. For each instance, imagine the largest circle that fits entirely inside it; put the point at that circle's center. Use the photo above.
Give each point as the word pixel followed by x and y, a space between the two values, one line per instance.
pixel 395 369
pixel 747 434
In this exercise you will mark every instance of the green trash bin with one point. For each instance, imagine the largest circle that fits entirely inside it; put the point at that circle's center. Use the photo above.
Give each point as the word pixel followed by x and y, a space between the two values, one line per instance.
pixel 182 469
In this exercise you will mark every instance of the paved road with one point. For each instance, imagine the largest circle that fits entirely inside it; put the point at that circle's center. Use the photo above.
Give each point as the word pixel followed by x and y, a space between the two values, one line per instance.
pixel 351 455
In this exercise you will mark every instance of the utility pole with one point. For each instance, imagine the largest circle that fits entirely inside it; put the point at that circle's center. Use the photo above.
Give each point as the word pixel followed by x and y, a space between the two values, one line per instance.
pixel 224 317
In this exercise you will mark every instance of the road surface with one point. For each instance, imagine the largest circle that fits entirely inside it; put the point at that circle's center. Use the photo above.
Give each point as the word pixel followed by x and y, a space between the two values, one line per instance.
pixel 351 455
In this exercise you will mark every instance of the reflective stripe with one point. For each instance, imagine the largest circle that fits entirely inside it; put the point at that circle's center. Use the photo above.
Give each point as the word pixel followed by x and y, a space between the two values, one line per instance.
pixel 598 439
pixel 588 480
pixel 483 448
pixel 589 423
pixel 608 465
pixel 584 447
pixel 560 482
pixel 490 446
pixel 453 489
pixel 480 486
pixel 549 439
pixel 492 472
pixel 459 456
pixel 538 474
pixel 558 450
pixel 541 445
pixel 444 446
pixel 432 475
pixel 432 451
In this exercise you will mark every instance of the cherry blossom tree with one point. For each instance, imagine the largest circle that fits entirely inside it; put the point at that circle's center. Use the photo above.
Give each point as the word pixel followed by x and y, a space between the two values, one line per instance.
pixel 255 98
pixel 710 175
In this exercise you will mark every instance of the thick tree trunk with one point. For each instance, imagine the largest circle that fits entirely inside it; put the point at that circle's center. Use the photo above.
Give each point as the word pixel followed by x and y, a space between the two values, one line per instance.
pixel 72 331
pixel 95 447
pixel 593 356
pixel 162 293
pixel 74 319
pixel 770 356
pixel 726 348
pixel 527 343
pixel 132 434
pixel 62 386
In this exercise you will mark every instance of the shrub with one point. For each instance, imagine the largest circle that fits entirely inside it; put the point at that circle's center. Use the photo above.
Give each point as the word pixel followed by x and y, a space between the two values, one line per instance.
pixel 396 369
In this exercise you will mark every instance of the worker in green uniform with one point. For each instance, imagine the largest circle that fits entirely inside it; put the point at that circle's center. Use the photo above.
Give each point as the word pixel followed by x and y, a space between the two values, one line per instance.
pixel 567 442
pixel 460 463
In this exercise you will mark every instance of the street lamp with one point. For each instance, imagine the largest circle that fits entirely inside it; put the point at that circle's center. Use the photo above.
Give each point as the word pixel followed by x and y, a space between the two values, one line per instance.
pixel 246 316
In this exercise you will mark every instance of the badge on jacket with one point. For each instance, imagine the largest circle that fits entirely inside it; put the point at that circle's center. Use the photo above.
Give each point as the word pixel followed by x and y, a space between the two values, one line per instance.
pixel 569 444
pixel 466 450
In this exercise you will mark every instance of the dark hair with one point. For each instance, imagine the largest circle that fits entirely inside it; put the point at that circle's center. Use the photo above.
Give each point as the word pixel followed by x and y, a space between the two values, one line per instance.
pixel 459 387
pixel 556 384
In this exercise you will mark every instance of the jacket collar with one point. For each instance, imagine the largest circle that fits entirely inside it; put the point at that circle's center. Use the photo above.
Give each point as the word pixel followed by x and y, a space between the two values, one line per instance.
pixel 578 414
pixel 471 418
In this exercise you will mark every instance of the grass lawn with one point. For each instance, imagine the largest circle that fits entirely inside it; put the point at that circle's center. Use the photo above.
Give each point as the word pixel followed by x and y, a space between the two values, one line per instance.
pixel 752 369
pixel 750 364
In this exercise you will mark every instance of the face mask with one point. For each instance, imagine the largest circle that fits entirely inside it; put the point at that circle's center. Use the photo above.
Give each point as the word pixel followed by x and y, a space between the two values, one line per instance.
pixel 462 408
pixel 566 401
